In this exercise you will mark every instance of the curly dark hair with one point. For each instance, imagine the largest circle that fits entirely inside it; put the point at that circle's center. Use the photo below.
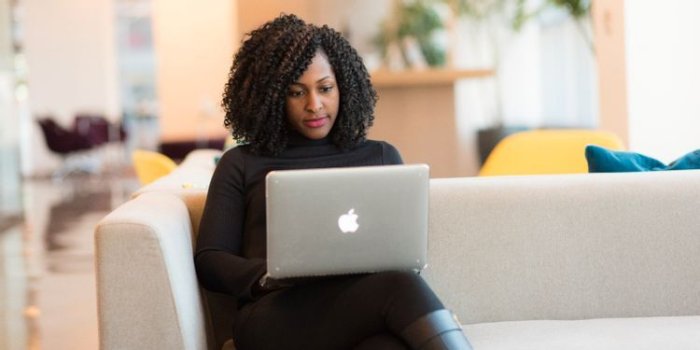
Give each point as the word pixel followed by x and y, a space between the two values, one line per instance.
pixel 269 61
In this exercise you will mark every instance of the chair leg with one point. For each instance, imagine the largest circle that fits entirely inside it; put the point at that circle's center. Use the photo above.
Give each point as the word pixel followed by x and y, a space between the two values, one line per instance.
pixel 79 162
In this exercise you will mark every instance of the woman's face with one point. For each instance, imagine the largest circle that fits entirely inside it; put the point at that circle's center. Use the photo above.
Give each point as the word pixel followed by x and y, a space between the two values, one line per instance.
pixel 312 101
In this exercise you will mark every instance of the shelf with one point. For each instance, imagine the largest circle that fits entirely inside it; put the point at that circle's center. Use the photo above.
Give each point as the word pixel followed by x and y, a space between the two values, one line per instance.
pixel 428 77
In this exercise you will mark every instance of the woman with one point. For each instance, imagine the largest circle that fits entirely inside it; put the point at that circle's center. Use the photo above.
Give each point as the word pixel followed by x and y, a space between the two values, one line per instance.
pixel 299 96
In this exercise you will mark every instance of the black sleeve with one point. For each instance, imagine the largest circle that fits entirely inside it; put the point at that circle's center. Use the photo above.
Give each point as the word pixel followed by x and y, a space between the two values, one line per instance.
pixel 218 261
pixel 390 154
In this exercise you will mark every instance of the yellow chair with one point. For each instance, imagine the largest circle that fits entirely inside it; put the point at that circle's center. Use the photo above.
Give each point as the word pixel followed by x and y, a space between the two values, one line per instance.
pixel 555 151
pixel 150 165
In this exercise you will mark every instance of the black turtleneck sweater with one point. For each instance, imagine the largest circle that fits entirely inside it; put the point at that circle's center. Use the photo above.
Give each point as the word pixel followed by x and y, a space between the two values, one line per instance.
pixel 230 255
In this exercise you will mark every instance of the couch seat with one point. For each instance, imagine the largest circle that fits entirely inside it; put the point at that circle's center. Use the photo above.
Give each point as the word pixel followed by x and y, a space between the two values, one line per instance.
pixel 595 334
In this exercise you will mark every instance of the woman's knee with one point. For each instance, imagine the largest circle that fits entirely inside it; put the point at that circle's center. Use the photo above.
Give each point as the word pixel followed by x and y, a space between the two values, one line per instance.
pixel 409 298
pixel 408 288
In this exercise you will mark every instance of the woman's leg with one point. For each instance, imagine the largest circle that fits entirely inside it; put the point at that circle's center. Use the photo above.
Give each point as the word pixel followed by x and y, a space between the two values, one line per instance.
pixel 339 313
pixel 437 330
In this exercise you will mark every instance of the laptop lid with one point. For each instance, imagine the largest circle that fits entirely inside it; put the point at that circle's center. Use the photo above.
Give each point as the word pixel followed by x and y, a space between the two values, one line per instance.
pixel 346 220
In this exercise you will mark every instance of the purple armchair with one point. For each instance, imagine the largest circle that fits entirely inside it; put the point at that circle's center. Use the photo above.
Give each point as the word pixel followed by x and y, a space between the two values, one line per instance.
pixel 68 144
pixel 62 141
pixel 98 129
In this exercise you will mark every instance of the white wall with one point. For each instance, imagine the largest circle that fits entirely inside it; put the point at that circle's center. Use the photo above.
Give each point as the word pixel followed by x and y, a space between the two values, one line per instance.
pixel 70 50
pixel 519 77
pixel 70 54
pixel 568 72
pixel 663 52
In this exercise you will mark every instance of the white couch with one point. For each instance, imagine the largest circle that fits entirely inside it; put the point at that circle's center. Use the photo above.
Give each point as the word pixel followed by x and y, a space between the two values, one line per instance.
pixel 589 261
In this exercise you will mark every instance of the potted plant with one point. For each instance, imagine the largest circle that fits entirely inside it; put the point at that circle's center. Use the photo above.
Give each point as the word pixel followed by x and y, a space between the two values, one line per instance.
pixel 411 35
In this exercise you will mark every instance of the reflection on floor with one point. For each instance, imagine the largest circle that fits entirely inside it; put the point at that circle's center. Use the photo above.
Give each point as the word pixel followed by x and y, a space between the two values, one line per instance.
pixel 47 281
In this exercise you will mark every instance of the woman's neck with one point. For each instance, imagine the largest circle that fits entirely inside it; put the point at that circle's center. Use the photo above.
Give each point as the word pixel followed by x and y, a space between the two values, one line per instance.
pixel 296 139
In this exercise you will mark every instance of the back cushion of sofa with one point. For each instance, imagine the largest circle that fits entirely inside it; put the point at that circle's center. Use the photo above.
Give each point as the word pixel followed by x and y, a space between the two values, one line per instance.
pixel 566 246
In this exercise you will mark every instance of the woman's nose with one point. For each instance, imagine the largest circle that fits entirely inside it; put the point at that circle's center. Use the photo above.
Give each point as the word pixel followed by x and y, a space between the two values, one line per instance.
pixel 314 103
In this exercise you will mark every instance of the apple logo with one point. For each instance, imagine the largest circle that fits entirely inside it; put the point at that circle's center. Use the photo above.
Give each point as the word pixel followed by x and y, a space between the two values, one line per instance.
pixel 348 222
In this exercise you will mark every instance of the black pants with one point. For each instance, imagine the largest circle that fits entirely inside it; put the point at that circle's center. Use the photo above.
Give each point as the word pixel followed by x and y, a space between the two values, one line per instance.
pixel 348 312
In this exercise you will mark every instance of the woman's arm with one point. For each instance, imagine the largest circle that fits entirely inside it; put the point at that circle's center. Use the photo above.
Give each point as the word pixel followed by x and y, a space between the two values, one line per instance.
pixel 218 261
pixel 390 154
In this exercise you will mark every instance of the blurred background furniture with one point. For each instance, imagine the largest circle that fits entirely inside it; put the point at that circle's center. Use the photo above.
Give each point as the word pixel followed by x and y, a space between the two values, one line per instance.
pixel 70 145
pixel 81 145
pixel 98 129
pixel 548 151
pixel 150 166
pixel 109 137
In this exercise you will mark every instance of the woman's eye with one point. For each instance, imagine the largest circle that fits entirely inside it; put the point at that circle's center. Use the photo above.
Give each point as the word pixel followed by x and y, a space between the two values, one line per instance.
pixel 326 89
pixel 292 93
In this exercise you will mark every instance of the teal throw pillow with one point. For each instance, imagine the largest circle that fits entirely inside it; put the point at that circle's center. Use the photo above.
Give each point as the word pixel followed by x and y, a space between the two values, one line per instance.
pixel 603 160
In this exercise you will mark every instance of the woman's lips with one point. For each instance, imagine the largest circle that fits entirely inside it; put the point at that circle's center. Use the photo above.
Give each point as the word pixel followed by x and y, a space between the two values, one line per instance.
pixel 316 122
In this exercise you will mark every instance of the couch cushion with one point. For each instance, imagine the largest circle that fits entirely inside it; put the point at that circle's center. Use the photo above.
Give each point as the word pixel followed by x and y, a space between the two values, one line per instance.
pixel 599 334
pixel 602 160
pixel 579 246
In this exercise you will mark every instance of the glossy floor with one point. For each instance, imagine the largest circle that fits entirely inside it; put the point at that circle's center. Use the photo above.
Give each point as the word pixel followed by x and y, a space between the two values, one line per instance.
pixel 47 280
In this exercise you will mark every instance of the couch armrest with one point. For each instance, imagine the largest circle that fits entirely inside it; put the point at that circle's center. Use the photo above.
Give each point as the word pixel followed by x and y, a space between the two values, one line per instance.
pixel 148 295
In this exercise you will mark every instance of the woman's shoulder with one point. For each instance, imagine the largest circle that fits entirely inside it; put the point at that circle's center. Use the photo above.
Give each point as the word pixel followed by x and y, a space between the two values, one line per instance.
pixel 390 154
pixel 242 160
pixel 236 153
pixel 379 143
pixel 234 158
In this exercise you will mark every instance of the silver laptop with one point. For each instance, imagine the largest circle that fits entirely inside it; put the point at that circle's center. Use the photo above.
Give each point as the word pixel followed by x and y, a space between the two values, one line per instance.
pixel 346 220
